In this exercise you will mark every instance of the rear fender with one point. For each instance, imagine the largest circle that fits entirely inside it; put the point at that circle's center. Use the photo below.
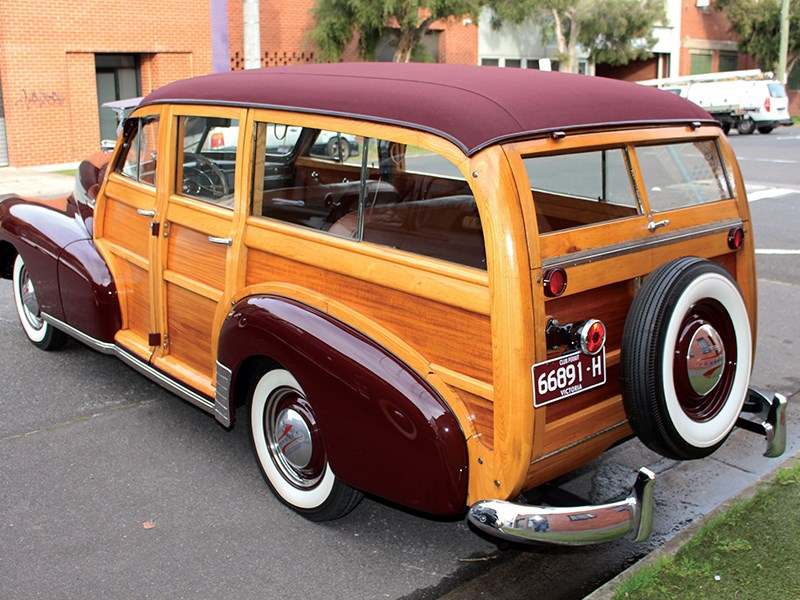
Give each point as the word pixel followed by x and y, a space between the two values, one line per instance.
pixel 386 430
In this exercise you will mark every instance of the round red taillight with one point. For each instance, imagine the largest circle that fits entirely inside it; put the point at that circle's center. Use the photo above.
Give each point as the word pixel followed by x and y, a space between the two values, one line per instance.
pixel 555 282
pixel 735 238
pixel 592 336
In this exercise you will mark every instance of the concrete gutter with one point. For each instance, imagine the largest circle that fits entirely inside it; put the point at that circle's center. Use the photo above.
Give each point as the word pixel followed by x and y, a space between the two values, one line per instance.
pixel 671 547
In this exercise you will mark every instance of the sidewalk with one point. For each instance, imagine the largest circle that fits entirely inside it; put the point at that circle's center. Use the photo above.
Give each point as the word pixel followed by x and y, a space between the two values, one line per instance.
pixel 36 181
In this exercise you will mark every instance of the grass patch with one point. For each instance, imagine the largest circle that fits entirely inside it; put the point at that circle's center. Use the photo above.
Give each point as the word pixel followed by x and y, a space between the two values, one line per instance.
pixel 749 552
pixel 70 172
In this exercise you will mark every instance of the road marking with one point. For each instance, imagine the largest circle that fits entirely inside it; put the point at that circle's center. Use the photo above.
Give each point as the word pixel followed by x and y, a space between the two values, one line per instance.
pixel 784 161
pixel 769 193
pixel 777 252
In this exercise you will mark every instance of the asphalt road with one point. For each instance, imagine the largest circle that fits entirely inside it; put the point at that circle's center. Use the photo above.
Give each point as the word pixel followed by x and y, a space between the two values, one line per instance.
pixel 91 452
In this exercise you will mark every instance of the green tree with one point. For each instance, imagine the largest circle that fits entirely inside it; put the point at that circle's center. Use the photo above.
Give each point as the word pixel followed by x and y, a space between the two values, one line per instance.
pixel 338 22
pixel 757 26
pixel 613 31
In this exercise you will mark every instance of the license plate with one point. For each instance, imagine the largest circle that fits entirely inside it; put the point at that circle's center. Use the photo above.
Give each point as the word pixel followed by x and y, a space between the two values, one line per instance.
pixel 567 375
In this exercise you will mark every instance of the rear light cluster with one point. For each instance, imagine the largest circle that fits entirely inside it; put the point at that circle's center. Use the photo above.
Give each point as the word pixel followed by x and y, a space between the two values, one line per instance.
pixel 767 104
pixel 217 140
pixel 587 336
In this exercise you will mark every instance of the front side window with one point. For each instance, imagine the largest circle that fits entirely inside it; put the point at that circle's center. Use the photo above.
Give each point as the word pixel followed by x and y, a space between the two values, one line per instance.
pixel 138 160
pixel 582 188
pixel 206 160
pixel 682 175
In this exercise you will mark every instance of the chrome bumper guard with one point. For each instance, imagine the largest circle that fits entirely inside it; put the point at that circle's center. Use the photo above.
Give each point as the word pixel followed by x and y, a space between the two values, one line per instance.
pixel 573 525
pixel 631 517
pixel 772 424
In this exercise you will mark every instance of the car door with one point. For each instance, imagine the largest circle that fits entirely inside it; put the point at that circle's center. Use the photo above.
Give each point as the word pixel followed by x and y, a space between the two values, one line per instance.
pixel 124 228
pixel 196 254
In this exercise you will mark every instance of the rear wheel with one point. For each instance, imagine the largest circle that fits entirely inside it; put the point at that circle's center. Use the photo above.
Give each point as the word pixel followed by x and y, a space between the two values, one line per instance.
pixel 288 444
pixel 765 129
pixel 39 332
pixel 746 126
pixel 686 357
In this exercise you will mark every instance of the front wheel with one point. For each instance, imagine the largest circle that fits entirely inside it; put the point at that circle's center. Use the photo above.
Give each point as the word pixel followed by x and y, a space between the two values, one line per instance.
pixel 686 358
pixel 39 332
pixel 288 445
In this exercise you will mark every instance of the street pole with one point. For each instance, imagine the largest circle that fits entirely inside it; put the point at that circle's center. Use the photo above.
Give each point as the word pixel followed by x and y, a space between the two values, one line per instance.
pixel 783 50
pixel 252 34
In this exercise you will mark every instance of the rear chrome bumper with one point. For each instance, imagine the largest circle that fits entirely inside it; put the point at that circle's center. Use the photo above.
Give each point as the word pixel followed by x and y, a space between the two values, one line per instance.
pixel 631 517
pixel 772 421
pixel 573 525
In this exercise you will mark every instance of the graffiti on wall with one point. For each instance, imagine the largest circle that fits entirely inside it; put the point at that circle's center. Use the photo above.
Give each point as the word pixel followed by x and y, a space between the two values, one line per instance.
pixel 39 99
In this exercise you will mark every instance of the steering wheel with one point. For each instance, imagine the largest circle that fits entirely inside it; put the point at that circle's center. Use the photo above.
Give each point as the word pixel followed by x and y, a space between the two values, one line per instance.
pixel 203 177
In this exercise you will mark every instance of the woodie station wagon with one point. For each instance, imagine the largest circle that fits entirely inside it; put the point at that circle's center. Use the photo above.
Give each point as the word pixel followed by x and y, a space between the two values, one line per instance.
pixel 489 278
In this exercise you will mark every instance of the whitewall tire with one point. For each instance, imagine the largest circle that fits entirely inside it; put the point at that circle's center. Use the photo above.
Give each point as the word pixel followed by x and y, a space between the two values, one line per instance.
pixel 39 332
pixel 686 358
pixel 288 445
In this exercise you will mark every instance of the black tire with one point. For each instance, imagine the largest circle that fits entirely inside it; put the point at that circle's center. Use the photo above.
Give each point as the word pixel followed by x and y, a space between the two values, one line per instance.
pixel 765 129
pixel 746 126
pixel 686 358
pixel 291 454
pixel 41 333
pixel 726 127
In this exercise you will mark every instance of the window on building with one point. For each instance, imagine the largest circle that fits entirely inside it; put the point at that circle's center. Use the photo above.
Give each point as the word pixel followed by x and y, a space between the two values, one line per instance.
pixel 701 62
pixel 117 78
pixel 490 62
pixel 728 61
pixel 514 62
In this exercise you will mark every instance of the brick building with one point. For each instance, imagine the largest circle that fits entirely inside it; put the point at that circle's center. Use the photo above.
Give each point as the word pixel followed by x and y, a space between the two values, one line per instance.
pixel 60 59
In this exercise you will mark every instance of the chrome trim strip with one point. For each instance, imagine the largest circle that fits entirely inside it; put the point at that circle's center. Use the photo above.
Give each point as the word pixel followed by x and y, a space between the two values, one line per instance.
pixel 631 517
pixel 134 362
pixel 95 344
pixel 616 250
pixel 164 381
pixel 222 407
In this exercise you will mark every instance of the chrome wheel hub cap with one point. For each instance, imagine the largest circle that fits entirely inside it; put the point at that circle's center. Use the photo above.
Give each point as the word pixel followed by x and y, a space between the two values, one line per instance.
pixel 705 361
pixel 293 438
pixel 29 302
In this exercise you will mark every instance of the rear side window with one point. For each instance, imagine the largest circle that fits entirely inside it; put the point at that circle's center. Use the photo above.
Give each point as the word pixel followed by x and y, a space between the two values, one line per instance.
pixel 368 190
pixel 573 190
pixel 683 175
pixel 776 90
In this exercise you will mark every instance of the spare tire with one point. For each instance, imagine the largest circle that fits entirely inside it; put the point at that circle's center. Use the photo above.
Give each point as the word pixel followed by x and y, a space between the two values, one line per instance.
pixel 685 359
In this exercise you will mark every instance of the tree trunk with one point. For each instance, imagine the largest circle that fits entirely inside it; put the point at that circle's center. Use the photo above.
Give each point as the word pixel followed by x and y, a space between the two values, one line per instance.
pixel 560 41
pixel 409 38
pixel 572 63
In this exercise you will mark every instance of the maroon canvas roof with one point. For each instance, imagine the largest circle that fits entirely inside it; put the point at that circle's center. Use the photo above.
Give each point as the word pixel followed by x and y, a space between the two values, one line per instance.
pixel 471 106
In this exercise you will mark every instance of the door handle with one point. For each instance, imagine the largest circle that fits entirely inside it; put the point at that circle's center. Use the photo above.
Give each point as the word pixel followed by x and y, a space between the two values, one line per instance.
pixel 651 226
pixel 146 213
pixel 220 241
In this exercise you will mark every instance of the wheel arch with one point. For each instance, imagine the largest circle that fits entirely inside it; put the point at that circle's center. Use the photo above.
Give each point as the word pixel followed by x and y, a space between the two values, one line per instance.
pixel 387 431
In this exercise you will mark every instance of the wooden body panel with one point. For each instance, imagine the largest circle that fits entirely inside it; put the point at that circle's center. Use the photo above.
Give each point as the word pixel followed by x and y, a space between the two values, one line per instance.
pixel 473 335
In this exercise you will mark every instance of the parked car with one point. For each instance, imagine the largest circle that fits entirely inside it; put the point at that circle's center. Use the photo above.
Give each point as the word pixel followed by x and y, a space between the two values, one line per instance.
pixel 520 270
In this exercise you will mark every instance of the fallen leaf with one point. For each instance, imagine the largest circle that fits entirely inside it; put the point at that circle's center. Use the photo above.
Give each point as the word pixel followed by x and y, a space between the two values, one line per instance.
pixel 149 524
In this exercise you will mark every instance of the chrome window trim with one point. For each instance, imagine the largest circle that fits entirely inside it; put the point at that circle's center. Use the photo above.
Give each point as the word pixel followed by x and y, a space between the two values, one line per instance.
pixel 617 250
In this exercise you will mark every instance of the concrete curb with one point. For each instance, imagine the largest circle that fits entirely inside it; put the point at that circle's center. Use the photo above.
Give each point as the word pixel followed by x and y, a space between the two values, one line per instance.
pixel 671 548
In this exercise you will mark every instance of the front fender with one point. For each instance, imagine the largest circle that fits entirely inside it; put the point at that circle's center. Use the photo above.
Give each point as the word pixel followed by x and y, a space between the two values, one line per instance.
pixel 386 430
pixel 39 229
